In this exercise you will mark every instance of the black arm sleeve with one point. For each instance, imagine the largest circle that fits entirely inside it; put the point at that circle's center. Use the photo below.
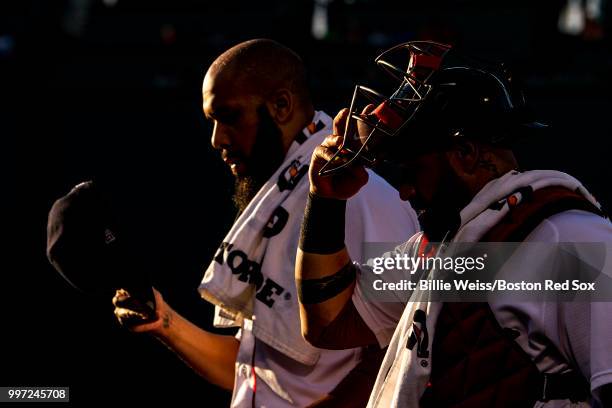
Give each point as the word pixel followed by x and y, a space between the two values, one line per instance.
pixel 323 225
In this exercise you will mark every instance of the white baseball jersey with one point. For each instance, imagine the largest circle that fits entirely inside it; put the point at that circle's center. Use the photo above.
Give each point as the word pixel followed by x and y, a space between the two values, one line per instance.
pixel 266 377
pixel 554 334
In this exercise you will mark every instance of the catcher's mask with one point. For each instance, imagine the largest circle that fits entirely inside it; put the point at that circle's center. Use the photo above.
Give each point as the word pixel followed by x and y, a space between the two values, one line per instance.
pixel 441 95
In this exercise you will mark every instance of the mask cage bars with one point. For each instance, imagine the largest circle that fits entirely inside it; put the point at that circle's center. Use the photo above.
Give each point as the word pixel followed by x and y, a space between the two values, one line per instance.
pixel 404 101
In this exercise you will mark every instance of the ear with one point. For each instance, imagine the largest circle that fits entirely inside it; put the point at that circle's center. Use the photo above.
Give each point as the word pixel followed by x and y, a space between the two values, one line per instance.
pixel 464 156
pixel 280 105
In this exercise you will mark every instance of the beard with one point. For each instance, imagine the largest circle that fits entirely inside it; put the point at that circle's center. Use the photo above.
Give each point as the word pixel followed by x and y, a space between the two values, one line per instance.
pixel 265 158
pixel 441 218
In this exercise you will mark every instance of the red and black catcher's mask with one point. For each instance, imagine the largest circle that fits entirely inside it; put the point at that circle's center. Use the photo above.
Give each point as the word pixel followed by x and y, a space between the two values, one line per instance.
pixel 442 95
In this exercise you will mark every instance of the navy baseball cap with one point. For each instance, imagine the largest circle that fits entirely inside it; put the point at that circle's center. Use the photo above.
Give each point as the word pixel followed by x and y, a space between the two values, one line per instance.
pixel 90 250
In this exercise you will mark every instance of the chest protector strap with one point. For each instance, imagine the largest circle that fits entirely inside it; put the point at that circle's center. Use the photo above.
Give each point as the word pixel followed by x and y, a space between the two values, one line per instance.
pixel 476 362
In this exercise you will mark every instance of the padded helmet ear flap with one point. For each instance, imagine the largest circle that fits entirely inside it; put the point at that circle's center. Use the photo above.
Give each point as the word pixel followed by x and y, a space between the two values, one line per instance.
pixel 387 115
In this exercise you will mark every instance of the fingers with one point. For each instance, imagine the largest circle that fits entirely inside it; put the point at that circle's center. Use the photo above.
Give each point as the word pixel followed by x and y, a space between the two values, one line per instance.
pixel 324 152
pixel 131 314
pixel 121 296
pixel 128 316
pixel 340 121
pixel 158 297
pixel 363 129
pixel 332 141
pixel 328 147
pixel 342 117
pixel 133 321
pixel 360 175
pixel 368 109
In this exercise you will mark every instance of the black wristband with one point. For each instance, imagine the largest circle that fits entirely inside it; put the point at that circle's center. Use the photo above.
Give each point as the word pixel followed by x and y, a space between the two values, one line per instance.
pixel 323 225
pixel 319 290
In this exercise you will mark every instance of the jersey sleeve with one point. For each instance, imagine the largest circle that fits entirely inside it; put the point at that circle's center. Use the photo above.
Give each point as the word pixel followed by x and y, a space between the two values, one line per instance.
pixel 382 310
pixel 377 215
pixel 585 327
pixel 380 316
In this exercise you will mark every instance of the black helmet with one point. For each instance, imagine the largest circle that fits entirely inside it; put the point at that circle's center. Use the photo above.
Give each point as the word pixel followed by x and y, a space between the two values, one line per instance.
pixel 442 95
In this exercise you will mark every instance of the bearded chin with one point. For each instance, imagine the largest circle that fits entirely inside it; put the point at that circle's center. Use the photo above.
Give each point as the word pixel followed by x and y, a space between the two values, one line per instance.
pixel 266 157
pixel 245 188
pixel 442 219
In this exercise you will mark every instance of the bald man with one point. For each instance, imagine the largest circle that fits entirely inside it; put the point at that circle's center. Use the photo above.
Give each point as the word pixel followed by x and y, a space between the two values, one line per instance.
pixel 266 128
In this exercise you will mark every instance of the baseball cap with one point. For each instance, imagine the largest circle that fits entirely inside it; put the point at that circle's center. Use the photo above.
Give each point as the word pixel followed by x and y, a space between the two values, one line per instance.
pixel 90 250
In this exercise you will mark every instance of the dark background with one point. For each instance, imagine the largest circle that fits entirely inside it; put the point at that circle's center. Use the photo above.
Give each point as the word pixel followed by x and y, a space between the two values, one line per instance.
pixel 111 89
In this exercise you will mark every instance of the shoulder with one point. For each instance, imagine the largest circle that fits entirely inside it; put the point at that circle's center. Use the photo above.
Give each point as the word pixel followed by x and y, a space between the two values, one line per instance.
pixel 378 185
pixel 379 199
pixel 573 226
pixel 379 192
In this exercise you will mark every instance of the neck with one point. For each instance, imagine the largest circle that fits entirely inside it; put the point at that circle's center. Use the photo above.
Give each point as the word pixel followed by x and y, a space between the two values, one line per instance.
pixel 303 117
pixel 491 165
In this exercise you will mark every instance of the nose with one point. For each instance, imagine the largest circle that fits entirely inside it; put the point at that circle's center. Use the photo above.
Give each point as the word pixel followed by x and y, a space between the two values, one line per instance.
pixel 219 138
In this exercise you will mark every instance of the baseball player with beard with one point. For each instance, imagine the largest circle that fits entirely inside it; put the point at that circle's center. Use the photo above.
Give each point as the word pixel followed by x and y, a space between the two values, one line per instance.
pixel 449 130
pixel 266 130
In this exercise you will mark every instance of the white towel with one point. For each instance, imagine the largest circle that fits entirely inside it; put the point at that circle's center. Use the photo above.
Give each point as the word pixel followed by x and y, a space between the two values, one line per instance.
pixel 403 375
pixel 477 218
pixel 234 281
